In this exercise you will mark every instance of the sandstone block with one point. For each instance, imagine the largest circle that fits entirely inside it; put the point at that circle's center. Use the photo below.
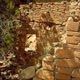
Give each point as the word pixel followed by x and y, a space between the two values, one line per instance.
pixel 76 73
pixel 27 73
pixel 64 53
pixel 75 78
pixel 66 71
pixel 47 62
pixel 72 33
pixel 67 63
pixel 44 74
pixel 72 26
pixel 74 3
pixel 72 40
pixel 62 76
pixel 77 60
pixel 73 46
pixel 77 54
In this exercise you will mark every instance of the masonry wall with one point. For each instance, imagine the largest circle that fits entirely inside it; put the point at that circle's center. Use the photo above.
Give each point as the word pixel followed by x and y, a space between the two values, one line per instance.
pixel 64 63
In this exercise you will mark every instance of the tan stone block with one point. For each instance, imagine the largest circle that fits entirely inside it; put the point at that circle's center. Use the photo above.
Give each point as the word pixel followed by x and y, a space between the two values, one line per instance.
pixel 74 47
pixel 27 73
pixel 64 53
pixel 48 65
pixel 77 13
pixel 77 54
pixel 72 26
pixel 67 63
pixel 44 74
pixel 47 62
pixel 76 73
pixel 62 76
pixel 72 40
pixel 72 33
pixel 75 79
pixel 63 70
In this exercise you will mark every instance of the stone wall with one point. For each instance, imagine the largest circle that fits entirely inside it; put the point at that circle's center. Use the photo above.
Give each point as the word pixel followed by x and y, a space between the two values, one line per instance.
pixel 64 63
pixel 58 11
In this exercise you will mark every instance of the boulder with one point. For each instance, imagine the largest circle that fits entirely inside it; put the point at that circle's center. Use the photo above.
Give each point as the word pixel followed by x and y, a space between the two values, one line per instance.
pixel 27 73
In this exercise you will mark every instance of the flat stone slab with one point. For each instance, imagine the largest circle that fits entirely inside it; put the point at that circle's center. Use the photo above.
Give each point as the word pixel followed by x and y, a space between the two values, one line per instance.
pixel 64 53
pixel 62 76
pixel 71 25
pixel 66 71
pixel 27 73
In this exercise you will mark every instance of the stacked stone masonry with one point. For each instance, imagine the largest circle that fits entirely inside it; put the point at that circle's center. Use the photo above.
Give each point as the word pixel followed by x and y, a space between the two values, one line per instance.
pixel 64 64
